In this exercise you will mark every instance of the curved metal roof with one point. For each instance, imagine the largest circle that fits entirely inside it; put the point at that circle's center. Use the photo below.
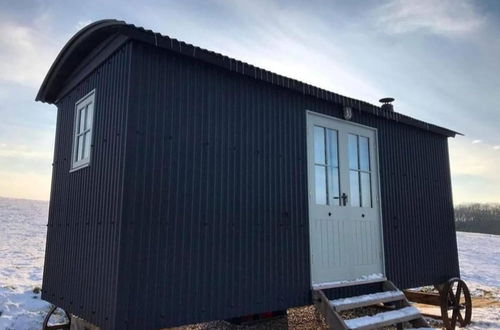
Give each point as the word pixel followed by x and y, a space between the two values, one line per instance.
pixel 75 50
pixel 91 36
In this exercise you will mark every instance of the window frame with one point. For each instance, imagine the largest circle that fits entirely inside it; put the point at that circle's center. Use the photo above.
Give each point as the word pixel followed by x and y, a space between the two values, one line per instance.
pixel 332 197
pixel 88 99
pixel 359 171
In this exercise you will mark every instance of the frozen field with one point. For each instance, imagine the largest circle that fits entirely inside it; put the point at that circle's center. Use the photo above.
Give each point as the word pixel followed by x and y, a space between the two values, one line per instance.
pixel 479 257
pixel 22 244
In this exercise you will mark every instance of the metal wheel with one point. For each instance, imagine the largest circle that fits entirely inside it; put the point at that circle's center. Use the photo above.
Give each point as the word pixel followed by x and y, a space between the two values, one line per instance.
pixel 456 304
pixel 65 326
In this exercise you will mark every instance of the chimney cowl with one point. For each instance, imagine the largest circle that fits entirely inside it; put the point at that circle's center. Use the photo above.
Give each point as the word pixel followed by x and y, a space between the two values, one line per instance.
pixel 386 104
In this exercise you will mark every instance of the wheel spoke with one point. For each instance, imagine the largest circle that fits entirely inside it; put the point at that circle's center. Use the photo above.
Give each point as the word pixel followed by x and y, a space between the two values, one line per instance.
pixel 459 292
pixel 451 297
pixel 454 318
pixel 461 319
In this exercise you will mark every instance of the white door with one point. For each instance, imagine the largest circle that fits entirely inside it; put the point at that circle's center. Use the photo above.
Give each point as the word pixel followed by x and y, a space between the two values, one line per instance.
pixel 344 208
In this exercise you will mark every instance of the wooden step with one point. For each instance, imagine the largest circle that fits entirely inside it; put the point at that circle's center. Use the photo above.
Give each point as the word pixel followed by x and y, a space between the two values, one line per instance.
pixel 383 319
pixel 390 293
pixel 366 300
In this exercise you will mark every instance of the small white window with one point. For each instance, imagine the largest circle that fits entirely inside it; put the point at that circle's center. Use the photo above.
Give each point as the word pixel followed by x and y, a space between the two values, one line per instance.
pixel 82 131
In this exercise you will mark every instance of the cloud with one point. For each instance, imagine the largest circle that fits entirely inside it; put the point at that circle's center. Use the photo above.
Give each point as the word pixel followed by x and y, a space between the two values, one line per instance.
pixel 476 141
pixel 443 17
pixel 297 44
pixel 26 53
pixel 496 147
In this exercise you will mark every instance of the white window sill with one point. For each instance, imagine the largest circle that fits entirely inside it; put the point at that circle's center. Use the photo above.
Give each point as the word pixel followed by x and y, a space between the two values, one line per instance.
pixel 79 167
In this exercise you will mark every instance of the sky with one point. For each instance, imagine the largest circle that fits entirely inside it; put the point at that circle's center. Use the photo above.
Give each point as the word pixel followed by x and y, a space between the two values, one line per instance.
pixel 439 59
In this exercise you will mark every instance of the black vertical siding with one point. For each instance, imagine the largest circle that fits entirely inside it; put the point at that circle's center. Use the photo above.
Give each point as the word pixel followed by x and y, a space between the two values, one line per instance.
pixel 195 205
pixel 214 229
pixel 81 260
pixel 215 214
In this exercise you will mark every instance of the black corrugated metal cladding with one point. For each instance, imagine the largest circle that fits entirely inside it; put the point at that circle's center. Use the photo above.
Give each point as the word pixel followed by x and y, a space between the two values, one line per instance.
pixel 216 198
pixel 81 260
pixel 215 210
pixel 195 205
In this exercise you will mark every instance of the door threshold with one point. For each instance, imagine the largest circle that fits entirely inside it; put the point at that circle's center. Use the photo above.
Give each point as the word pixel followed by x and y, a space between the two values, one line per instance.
pixel 341 284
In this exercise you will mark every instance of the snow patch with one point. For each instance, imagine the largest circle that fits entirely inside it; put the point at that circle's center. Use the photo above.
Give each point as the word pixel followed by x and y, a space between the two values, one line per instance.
pixel 366 297
pixel 364 278
pixel 381 317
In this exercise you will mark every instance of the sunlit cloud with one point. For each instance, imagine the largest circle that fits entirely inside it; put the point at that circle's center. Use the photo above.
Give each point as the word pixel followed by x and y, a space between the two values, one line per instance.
pixel 296 44
pixel 476 141
pixel 443 17
pixel 496 147
pixel 26 53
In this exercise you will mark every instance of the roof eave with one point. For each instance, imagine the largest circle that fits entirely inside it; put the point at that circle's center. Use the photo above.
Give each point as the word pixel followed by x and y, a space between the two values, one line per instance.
pixel 73 52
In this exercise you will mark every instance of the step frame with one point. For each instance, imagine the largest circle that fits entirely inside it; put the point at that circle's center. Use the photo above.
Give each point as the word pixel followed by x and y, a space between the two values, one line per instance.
pixel 332 318
pixel 335 321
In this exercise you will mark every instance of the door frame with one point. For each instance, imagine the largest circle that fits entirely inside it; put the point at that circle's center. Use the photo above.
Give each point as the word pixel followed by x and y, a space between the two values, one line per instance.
pixel 309 113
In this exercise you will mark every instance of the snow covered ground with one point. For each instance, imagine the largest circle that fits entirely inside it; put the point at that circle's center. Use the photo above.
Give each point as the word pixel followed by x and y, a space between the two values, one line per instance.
pixel 480 250
pixel 479 257
pixel 22 245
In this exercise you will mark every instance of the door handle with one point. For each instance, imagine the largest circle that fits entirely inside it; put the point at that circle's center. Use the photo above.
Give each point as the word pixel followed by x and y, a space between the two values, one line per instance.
pixel 344 199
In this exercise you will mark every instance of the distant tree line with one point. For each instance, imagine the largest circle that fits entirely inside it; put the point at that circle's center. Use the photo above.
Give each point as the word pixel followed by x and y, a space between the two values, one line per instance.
pixel 478 218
